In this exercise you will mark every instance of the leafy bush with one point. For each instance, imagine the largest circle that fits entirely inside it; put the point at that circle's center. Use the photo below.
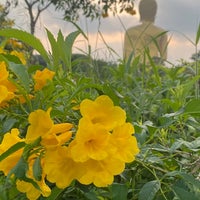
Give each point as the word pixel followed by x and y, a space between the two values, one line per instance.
pixel 162 103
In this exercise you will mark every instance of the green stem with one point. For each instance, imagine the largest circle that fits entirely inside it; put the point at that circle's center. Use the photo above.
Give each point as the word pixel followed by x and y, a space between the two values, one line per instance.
pixel 196 73
pixel 152 171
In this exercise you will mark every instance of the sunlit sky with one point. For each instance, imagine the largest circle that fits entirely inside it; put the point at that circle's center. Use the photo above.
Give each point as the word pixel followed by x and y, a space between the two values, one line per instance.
pixel 179 17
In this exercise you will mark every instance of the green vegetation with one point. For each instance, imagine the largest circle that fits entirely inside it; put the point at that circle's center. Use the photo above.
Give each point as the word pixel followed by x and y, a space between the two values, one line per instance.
pixel 72 10
pixel 162 103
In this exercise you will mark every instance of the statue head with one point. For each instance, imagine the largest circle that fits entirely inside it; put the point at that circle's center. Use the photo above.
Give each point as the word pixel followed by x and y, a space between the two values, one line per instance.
pixel 147 10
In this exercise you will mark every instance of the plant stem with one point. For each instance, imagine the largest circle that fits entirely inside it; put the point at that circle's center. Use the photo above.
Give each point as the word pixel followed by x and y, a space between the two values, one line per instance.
pixel 196 73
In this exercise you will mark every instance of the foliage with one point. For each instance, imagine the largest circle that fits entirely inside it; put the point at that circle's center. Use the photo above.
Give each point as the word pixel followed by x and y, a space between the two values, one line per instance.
pixel 93 9
pixel 160 102
pixel 5 22
pixel 73 9
pixel 34 9
pixel 196 56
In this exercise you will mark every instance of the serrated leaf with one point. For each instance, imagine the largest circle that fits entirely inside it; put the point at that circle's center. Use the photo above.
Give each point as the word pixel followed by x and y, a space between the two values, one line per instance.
pixel 149 190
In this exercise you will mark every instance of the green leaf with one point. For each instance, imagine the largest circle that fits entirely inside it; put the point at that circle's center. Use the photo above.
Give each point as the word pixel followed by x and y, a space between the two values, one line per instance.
pixel 149 190
pixel 198 35
pixel 11 150
pixel 55 192
pixel 175 114
pixel 119 191
pixel 79 29
pixel 69 41
pixel 176 146
pixel 3 58
pixel 183 194
pixel 192 107
pixel 108 90
pixel 62 49
pixel 54 48
pixel 193 145
pixel 22 74
pixel 155 69
pixel 128 64
pixel 19 170
pixel 8 124
pixel 12 58
pixel 3 193
pixel 190 180
pixel 37 169
pixel 91 195
pixel 29 147
pixel 27 38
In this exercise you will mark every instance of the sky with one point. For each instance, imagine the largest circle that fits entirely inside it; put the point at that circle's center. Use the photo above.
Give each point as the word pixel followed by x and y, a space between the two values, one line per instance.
pixel 179 17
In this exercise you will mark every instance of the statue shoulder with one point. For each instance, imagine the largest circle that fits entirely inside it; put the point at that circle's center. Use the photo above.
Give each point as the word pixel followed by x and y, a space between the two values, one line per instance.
pixel 134 29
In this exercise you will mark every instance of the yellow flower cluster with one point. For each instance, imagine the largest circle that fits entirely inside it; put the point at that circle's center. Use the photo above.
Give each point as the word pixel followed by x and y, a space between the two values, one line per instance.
pixel 42 77
pixel 94 154
pixel 19 54
pixel 14 43
pixel 103 142
pixel 7 89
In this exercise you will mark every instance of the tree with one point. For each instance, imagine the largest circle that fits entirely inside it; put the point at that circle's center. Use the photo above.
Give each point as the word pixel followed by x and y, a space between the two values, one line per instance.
pixel 74 8
pixel 41 6
pixel 5 22
pixel 92 8
pixel 34 8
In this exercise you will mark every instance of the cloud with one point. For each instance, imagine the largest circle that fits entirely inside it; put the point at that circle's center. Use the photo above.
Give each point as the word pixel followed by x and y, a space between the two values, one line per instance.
pixel 180 48
pixel 180 17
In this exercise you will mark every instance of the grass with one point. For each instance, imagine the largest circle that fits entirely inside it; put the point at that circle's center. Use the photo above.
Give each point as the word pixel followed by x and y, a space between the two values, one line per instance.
pixel 162 103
